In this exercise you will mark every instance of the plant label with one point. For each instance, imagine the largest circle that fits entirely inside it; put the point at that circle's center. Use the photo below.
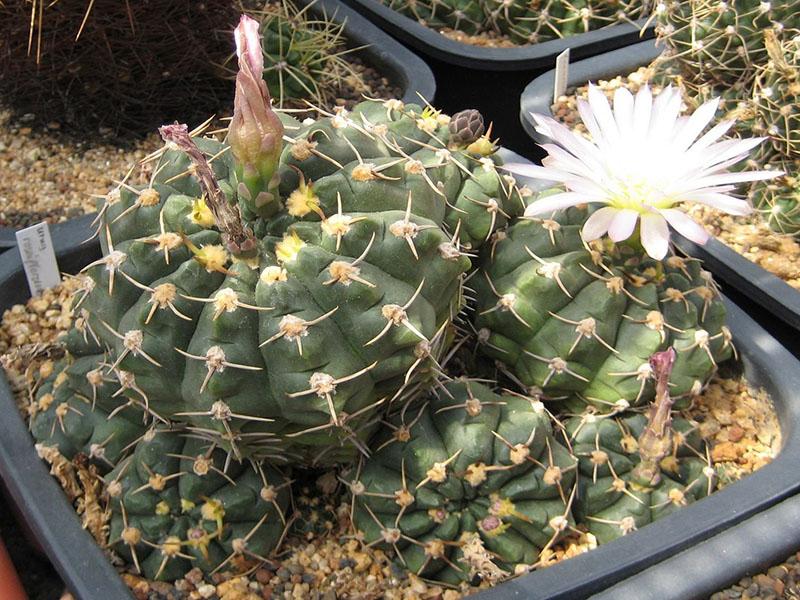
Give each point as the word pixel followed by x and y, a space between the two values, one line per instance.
pixel 38 258
pixel 562 74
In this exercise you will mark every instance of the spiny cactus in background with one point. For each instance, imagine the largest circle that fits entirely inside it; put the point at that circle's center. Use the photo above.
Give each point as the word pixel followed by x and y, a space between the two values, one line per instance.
pixel 576 321
pixel 471 483
pixel 625 482
pixel 719 45
pixel 129 66
pixel 522 21
pixel 177 503
pixel 303 53
pixel 533 22
pixel 80 409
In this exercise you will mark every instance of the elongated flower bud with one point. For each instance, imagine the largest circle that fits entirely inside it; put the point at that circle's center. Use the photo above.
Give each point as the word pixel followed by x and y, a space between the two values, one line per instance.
pixel 256 132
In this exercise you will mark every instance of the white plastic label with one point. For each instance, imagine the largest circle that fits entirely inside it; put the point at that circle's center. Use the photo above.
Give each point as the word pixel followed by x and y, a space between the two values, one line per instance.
pixel 38 258
pixel 562 75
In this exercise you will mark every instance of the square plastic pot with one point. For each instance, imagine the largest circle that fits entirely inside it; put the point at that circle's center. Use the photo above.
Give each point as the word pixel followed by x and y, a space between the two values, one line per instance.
pixel 390 58
pixel 87 573
pixel 492 79
pixel 761 286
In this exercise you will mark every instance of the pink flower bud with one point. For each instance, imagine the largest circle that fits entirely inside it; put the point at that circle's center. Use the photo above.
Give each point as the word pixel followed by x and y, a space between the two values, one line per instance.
pixel 256 132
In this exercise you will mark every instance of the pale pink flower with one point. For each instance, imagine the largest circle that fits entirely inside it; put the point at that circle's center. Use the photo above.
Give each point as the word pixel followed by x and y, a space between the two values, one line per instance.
pixel 643 160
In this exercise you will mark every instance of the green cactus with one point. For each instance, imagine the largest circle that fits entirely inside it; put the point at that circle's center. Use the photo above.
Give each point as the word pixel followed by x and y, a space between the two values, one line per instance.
pixel 522 21
pixel 721 44
pixel 179 503
pixel 80 409
pixel 228 323
pixel 579 322
pixel 472 482
pixel 625 482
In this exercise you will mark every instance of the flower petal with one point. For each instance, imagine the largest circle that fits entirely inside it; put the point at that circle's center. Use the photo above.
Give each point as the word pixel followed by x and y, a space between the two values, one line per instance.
pixel 621 228
pixel 596 226
pixel 685 225
pixel 602 112
pixel 723 202
pixel 550 204
pixel 537 172
pixel 655 235
pixel 696 123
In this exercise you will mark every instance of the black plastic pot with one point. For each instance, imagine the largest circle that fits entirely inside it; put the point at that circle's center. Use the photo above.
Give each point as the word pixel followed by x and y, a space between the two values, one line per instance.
pixel 387 56
pixel 776 296
pixel 491 79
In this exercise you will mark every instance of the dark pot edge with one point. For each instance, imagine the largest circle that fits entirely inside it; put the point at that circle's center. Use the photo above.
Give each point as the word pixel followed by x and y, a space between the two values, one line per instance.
pixel 429 42
pixel 764 288
pixel 386 54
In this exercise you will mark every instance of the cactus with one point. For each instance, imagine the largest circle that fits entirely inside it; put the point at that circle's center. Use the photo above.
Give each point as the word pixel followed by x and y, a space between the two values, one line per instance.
pixel 627 483
pixel 177 504
pixel 470 483
pixel 80 409
pixel 523 22
pixel 719 45
pixel 228 279
pixel 580 322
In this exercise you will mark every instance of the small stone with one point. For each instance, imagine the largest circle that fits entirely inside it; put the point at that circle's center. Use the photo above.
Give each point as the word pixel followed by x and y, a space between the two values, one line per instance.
pixel 284 574
pixel 206 590
pixel 735 433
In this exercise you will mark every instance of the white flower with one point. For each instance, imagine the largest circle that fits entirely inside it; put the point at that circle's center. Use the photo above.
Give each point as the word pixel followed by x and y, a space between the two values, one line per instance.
pixel 643 160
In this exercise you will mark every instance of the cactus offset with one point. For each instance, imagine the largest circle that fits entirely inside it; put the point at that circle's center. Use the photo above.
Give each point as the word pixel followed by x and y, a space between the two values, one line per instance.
pixel 79 409
pixel 177 504
pixel 626 483
pixel 470 483
pixel 580 322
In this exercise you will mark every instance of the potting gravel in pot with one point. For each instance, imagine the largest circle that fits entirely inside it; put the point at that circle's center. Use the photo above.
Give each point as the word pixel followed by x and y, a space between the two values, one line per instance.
pixel 369 303
pixel 63 144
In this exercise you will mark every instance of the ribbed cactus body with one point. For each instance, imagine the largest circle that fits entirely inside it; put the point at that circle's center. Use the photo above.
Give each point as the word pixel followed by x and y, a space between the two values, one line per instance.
pixel 472 481
pixel 611 500
pixel 581 323
pixel 73 412
pixel 177 503
pixel 346 304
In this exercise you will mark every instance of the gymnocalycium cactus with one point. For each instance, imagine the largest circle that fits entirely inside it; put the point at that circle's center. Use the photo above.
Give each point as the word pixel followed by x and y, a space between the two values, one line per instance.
pixel 574 314
pixel 625 482
pixel 581 321
pixel 177 503
pixel 471 483
pixel 238 269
